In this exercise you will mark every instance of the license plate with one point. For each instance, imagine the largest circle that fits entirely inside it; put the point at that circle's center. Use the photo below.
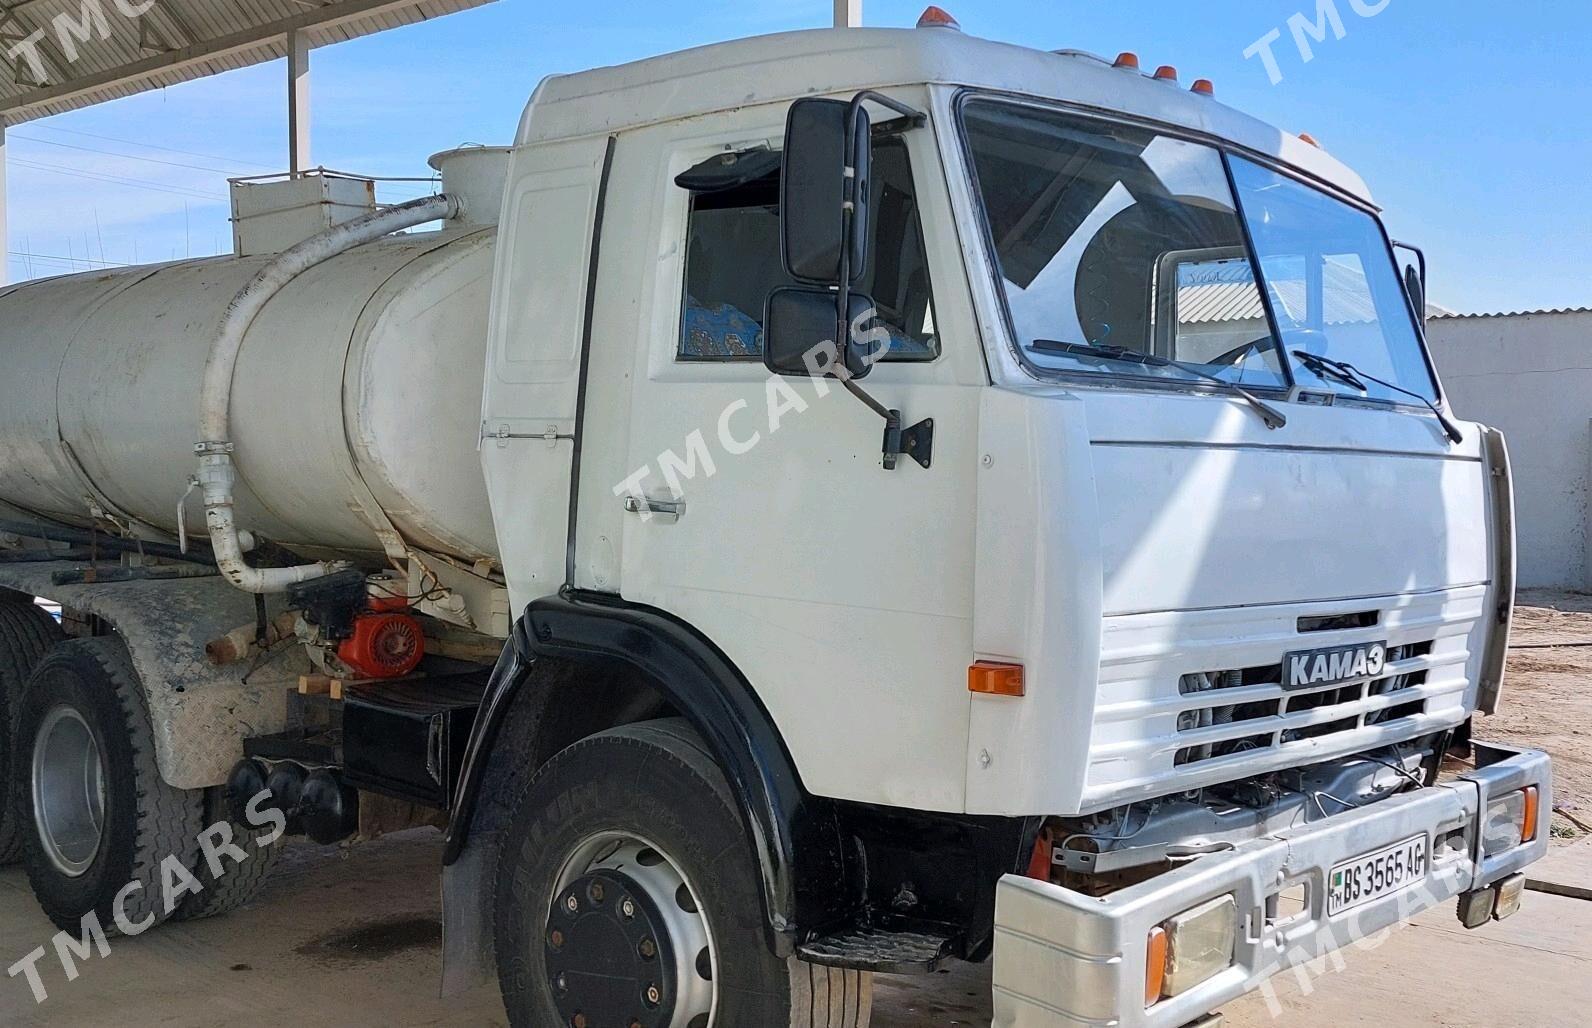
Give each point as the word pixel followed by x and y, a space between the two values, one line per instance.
pixel 1374 875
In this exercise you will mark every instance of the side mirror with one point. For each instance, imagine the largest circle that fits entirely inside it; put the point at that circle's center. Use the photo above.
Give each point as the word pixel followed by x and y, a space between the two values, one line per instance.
pixel 1412 264
pixel 799 330
pixel 1417 291
pixel 814 191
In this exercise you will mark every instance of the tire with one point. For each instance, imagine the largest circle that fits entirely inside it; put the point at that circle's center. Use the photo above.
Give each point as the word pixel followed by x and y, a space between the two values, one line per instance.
pixel 240 882
pixel 650 790
pixel 26 634
pixel 91 683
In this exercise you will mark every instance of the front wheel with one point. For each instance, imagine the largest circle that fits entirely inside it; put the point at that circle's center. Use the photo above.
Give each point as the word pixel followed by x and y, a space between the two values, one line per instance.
pixel 627 895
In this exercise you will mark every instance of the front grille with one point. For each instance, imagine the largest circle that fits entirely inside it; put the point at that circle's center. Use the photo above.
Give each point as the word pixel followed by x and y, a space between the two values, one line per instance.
pixel 1192 699
pixel 1262 716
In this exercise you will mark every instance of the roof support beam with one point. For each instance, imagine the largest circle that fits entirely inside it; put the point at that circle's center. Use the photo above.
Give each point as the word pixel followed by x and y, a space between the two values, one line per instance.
pixel 5 248
pixel 848 14
pixel 298 102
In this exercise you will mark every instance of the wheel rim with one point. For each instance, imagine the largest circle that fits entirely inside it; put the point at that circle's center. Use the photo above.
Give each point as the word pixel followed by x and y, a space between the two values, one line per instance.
pixel 68 791
pixel 626 940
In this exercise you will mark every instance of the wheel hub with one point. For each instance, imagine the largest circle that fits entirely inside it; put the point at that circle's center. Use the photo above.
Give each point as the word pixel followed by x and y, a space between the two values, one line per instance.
pixel 625 943
pixel 609 957
pixel 68 791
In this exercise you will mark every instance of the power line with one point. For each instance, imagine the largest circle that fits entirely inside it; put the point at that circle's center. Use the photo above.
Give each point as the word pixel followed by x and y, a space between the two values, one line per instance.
pixel 152 146
pixel 62 260
pixel 124 156
pixel 117 180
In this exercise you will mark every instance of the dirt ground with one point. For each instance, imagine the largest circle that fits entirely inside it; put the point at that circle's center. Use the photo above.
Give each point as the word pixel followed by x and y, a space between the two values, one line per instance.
pixel 1547 700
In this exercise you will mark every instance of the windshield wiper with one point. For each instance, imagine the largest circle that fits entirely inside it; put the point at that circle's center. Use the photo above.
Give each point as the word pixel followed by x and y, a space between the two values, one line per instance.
pixel 1346 372
pixel 1329 369
pixel 1273 417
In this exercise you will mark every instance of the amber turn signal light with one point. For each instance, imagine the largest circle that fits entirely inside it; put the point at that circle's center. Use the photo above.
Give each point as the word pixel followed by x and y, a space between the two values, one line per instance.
pixel 1528 822
pixel 995 679
pixel 1154 965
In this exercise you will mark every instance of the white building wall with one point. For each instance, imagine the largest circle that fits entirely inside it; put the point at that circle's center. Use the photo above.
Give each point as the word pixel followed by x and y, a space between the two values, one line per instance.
pixel 1531 376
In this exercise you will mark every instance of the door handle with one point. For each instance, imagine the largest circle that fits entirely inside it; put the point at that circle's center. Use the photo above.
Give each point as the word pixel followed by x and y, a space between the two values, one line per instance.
pixel 649 508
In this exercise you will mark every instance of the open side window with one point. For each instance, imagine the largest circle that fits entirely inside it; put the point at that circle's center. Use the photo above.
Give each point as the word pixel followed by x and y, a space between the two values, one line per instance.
pixel 733 256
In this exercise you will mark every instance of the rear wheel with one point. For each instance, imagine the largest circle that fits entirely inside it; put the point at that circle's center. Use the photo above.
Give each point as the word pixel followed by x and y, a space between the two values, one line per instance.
pixel 239 881
pixel 26 634
pixel 627 894
pixel 104 830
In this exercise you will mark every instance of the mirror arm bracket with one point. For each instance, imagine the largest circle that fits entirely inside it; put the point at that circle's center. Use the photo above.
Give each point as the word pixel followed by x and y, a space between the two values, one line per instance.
pixel 916 442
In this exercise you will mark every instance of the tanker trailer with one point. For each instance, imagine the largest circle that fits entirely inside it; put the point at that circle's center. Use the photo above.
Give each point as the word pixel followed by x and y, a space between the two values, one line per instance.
pixel 353 414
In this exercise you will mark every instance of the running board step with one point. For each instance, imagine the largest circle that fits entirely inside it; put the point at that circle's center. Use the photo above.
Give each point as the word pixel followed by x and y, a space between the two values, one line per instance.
pixel 888 952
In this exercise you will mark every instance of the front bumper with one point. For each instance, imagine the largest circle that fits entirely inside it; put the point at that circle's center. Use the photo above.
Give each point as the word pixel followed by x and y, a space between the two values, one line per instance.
pixel 1062 958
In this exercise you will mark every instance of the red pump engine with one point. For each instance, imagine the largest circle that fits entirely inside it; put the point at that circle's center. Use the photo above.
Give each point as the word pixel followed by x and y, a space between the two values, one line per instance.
pixel 386 642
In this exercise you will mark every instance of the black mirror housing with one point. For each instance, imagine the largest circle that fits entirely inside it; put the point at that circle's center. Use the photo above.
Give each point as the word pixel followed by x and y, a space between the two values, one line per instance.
pixel 814 189
pixel 797 323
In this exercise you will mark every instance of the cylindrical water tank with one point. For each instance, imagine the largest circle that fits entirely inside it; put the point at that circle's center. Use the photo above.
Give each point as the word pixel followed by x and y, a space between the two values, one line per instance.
pixel 361 378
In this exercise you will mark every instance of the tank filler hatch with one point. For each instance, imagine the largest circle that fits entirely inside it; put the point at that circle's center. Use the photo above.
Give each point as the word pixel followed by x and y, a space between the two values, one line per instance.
pixel 272 213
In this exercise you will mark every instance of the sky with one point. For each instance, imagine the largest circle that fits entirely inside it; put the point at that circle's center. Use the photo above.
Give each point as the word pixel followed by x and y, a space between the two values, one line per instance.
pixel 1468 118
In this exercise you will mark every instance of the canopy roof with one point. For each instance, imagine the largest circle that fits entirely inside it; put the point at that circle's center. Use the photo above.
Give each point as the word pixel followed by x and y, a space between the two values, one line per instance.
pixel 75 53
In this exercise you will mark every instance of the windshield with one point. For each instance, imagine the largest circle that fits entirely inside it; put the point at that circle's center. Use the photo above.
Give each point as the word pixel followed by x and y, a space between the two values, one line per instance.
pixel 1121 238
pixel 1114 236
pixel 1333 285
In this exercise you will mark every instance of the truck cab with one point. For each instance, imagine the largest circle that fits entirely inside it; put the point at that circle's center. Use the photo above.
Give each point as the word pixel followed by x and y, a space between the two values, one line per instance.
pixel 1161 571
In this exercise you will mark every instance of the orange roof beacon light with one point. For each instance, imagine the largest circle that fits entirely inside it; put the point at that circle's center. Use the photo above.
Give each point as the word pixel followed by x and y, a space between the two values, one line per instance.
pixel 937 18
pixel 1166 73
pixel 1127 59
pixel 1204 87
pixel 994 678
pixel 1307 137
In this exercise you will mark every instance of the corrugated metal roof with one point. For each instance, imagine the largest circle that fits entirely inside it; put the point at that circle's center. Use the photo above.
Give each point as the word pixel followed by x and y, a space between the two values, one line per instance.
pixel 1516 314
pixel 1226 292
pixel 84 52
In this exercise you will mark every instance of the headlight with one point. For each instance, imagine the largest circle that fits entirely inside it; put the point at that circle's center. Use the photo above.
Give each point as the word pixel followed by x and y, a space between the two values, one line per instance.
pixel 1511 821
pixel 1190 949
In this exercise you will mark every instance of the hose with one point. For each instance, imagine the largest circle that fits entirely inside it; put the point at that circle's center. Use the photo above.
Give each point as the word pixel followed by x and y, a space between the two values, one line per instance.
pixel 217 475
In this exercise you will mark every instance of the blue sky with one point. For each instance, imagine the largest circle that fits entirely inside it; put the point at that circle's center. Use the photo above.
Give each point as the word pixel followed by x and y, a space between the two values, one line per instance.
pixel 1467 117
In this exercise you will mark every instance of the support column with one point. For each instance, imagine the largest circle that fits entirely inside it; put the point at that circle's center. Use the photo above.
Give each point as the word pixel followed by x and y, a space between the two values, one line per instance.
pixel 848 14
pixel 298 102
pixel 5 250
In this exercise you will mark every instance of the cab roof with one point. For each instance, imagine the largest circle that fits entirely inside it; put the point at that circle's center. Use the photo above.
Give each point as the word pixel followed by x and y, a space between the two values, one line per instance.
pixel 785 66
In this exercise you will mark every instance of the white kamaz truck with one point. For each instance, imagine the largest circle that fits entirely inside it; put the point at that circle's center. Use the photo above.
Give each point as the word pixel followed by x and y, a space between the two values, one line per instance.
pixel 823 504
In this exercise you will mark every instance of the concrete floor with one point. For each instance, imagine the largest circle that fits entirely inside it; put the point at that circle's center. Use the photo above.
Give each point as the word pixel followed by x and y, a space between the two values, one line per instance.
pixel 353 939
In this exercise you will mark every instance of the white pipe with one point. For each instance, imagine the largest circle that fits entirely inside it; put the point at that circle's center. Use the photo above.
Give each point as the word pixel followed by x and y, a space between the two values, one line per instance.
pixel 217 476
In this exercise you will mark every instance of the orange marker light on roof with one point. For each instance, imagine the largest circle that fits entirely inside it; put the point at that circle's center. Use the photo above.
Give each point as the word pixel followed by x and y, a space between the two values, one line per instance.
pixel 937 18
pixel 993 678
pixel 1204 87
pixel 1307 137
pixel 1166 73
pixel 1127 59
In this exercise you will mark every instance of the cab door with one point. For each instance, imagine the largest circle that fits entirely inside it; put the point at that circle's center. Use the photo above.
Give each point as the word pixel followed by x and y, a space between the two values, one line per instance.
pixel 755 507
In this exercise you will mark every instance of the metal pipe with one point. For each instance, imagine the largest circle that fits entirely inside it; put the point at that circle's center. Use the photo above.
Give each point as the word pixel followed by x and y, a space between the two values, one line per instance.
pixel 217 475
pixel 110 544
